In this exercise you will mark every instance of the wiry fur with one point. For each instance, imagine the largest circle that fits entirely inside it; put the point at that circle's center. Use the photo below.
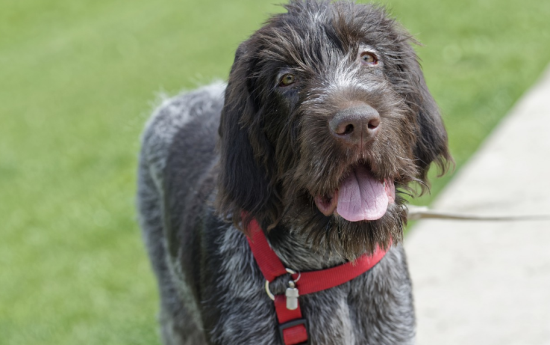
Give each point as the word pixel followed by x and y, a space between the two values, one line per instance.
pixel 275 153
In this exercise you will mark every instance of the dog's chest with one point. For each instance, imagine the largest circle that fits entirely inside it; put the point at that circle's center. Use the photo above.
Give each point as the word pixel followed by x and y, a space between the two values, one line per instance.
pixel 345 314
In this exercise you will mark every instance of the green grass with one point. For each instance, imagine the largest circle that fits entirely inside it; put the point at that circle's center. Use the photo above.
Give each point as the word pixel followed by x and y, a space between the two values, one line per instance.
pixel 77 79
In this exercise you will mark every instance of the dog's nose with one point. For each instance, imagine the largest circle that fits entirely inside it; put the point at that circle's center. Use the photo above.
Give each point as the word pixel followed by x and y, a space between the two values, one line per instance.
pixel 357 125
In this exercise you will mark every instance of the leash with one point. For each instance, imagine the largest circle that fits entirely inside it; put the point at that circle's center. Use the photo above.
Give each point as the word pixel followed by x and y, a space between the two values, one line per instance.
pixel 293 327
pixel 422 212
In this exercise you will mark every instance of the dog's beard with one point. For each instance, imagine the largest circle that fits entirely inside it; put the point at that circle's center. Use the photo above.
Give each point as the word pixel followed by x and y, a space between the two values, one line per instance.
pixel 333 235
pixel 323 228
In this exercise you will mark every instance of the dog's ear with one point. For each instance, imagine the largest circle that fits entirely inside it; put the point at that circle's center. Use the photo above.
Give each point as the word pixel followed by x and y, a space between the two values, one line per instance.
pixel 245 191
pixel 431 136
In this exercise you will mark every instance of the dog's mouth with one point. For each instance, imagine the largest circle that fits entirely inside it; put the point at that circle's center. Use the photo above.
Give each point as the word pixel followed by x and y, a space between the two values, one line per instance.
pixel 359 197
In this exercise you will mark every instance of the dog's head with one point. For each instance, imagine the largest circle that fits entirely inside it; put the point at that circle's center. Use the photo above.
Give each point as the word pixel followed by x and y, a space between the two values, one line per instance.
pixel 327 120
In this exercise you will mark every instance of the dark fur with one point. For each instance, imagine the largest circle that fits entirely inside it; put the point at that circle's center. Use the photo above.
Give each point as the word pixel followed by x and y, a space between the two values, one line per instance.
pixel 275 153
pixel 271 139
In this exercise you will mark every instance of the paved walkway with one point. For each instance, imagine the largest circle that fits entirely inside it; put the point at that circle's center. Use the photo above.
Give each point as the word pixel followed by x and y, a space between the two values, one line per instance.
pixel 489 282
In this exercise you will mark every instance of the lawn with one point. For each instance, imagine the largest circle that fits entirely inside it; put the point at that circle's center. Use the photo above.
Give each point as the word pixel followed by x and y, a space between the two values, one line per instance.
pixel 77 82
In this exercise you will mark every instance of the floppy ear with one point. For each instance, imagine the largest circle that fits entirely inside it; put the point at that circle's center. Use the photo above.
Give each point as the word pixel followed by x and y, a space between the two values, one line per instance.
pixel 431 136
pixel 244 188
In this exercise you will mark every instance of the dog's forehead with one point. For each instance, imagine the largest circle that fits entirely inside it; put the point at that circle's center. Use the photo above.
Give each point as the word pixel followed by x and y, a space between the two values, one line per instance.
pixel 311 30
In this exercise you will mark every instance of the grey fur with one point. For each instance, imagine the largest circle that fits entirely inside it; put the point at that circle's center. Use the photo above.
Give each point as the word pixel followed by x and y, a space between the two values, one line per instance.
pixel 375 308
pixel 211 290
pixel 179 314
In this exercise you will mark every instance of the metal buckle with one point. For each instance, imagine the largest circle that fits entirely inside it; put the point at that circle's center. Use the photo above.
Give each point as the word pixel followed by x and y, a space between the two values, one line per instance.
pixel 291 324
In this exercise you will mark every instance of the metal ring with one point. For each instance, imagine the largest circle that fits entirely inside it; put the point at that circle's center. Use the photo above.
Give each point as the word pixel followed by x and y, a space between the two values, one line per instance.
pixel 269 294
pixel 290 271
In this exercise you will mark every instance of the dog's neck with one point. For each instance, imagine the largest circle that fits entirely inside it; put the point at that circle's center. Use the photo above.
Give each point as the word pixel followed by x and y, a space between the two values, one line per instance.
pixel 297 253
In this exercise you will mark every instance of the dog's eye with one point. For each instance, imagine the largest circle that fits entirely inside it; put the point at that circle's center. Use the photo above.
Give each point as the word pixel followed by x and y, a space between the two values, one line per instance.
pixel 369 58
pixel 287 79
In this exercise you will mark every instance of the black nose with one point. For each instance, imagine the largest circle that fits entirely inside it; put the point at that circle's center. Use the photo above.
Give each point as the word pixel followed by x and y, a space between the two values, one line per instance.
pixel 354 126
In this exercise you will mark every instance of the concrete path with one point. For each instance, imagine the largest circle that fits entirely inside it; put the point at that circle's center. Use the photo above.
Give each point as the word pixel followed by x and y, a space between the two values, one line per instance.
pixel 489 282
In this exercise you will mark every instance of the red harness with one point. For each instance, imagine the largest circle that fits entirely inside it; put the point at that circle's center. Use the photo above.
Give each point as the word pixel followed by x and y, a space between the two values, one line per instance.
pixel 293 327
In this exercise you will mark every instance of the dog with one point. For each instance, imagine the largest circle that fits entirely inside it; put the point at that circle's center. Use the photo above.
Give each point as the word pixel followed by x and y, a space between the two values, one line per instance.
pixel 325 124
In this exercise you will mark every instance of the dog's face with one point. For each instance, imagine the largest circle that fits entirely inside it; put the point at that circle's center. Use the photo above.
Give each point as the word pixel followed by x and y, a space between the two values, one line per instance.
pixel 327 119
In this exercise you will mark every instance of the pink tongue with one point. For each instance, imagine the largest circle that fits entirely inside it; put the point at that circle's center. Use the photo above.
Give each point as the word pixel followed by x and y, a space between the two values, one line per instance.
pixel 361 197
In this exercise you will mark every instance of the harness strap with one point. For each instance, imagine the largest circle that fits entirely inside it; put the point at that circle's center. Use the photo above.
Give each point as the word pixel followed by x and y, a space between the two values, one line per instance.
pixel 293 328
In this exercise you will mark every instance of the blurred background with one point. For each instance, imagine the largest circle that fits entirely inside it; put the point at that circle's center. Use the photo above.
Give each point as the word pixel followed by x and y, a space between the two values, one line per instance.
pixel 78 79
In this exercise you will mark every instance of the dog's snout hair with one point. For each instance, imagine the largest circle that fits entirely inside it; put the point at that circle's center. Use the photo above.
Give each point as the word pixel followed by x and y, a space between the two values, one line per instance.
pixel 325 97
